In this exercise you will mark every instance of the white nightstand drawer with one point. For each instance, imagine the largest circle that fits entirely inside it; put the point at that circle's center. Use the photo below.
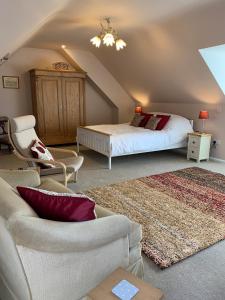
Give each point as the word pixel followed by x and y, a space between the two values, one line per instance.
pixel 193 152
pixel 194 141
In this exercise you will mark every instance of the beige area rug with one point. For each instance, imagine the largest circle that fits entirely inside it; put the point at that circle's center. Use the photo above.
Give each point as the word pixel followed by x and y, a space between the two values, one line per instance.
pixel 181 212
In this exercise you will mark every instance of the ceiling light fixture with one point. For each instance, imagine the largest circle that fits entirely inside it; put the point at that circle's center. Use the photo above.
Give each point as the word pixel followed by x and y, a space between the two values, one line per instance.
pixel 108 36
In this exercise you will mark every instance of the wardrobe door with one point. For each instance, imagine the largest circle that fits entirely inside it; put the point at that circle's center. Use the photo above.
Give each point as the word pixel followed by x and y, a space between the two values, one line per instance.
pixel 72 94
pixel 49 109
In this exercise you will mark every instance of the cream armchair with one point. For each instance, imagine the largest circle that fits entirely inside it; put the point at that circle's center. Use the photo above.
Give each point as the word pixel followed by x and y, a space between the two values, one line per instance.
pixel 22 134
pixel 48 260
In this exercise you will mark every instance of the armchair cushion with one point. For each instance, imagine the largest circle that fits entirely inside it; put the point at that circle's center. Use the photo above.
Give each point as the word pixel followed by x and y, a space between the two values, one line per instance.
pixel 64 207
pixel 22 135
pixel 73 162
pixel 22 123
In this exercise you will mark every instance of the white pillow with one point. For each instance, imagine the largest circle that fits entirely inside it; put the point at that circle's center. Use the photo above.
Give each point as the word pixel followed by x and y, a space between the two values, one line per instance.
pixel 40 151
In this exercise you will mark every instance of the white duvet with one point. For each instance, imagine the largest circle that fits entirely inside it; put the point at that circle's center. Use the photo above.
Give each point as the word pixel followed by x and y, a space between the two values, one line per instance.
pixel 126 139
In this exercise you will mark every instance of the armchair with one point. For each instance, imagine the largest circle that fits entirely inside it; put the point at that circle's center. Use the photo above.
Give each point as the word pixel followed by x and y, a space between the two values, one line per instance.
pixel 22 134
pixel 48 260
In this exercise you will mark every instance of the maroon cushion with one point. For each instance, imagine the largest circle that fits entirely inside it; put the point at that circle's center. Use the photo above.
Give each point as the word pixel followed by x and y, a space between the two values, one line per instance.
pixel 162 123
pixel 147 116
pixel 59 207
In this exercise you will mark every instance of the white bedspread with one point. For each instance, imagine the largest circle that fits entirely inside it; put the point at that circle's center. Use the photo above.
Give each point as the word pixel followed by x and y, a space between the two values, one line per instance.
pixel 126 139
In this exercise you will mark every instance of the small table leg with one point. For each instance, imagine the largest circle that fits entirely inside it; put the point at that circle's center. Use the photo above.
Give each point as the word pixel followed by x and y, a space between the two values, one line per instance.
pixel 110 162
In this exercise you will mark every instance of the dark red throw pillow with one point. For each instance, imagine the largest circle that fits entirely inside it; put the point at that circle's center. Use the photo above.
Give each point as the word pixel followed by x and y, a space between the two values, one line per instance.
pixel 59 206
pixel 147 116
pixel 162 123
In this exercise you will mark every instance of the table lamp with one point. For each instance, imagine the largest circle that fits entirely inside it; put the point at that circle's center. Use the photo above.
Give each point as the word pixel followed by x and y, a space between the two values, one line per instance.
pixel 203 115
pixel 138 109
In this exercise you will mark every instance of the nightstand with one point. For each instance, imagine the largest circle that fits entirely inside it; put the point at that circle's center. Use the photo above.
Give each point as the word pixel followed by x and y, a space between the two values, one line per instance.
pixel 198 146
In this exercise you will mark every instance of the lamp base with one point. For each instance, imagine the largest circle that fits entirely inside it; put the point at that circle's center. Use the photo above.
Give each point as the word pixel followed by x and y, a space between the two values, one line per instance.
pixel 203 126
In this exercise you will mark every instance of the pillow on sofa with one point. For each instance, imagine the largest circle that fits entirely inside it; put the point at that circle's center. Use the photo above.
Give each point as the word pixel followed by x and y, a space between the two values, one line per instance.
pixel 59 206
pixel 40 151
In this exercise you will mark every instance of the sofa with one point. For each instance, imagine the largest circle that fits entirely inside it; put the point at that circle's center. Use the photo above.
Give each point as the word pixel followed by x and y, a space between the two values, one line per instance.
pixel 48 260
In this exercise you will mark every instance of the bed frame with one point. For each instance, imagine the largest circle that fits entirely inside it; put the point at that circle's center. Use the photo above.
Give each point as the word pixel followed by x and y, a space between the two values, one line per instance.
pixel 101 142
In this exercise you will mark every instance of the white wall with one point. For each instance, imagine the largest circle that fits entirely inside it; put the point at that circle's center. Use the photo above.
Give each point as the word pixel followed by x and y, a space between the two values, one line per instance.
pixel 105 81
pixel 17 102
pixel 98 109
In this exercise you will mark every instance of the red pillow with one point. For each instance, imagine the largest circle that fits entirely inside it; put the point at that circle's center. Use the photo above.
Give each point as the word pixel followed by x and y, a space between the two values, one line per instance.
pixel 162 123
pixel 59 206
pixel 145 120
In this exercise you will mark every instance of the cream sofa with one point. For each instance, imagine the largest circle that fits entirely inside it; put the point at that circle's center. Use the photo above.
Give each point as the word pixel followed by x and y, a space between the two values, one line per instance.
pixel 47 260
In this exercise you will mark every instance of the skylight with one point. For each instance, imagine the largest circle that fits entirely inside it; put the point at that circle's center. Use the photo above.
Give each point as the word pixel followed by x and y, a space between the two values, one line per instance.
pixel 214 57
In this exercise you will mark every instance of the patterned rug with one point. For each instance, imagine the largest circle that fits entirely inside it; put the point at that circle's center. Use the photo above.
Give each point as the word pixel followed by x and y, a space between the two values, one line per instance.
pixel 181 212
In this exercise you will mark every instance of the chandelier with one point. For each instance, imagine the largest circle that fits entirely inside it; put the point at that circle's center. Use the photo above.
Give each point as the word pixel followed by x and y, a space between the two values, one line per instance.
pixel 108 36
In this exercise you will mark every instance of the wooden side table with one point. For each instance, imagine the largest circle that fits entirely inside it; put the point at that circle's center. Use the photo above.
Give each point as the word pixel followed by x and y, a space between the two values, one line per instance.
pixel 104 290
pixel 198 146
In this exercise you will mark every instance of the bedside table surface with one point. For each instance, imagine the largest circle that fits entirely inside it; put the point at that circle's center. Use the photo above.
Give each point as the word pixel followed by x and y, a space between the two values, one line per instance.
pixel 200 134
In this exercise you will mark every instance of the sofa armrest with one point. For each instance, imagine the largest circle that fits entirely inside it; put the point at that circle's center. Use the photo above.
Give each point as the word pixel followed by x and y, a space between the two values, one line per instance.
pixel 52 185
pixel 50 236
pixel 29 178
pixel 102 212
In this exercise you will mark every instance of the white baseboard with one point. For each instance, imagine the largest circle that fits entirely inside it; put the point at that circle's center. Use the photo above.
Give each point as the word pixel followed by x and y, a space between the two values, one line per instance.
pixel 217 159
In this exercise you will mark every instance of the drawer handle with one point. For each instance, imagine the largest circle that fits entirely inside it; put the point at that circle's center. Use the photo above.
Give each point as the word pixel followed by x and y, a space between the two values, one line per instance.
pixel 193 142
pixel 192 151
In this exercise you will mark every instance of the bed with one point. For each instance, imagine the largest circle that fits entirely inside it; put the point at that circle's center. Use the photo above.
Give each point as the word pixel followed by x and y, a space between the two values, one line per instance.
pixel 114 140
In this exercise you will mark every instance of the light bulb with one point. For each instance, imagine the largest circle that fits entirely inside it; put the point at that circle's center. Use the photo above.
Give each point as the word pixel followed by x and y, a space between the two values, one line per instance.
pixel 108 39
pixel 63 46
pixel 96 41
pixel 120 44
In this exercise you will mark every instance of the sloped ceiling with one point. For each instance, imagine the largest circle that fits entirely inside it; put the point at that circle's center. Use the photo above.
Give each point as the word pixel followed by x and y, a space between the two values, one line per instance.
pixel 161 62
pixel 19 20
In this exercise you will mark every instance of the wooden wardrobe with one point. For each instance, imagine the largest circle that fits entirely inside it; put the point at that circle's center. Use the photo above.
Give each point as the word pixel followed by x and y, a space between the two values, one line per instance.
pixel 58 104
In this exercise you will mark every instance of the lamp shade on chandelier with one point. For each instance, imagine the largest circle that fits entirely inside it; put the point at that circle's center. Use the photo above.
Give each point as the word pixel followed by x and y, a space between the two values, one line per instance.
pixel 96 40
pixel 108 36
pixel 108 39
